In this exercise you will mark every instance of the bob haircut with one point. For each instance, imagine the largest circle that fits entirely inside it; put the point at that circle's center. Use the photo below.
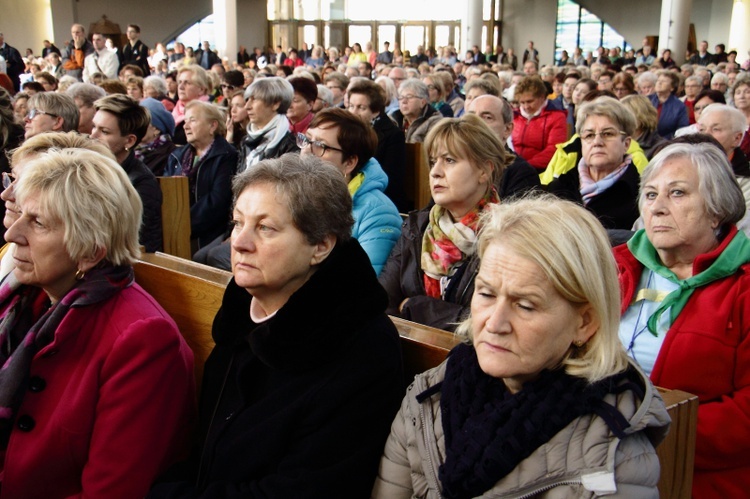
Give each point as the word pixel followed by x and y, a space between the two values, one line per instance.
pixel 437 82
pixel 107 209
pixel 315 193
pixel 610 108
pixel 717 184
pixel 626 80
pixel 468 137
pixel 210 113
pixel 270 91
pixel 531 85
pixel 132 118
pixel 355 137
pixel 743 80
pixel 198 76
pixel 374 93
pixel 646 116
pixel 43 142
pixel 572 248
pixel 59 104
pixel 417 87
pixel 157 83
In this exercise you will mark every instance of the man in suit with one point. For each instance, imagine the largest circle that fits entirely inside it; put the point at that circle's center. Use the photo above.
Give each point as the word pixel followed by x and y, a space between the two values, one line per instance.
pixel 14 65
pixel 135 51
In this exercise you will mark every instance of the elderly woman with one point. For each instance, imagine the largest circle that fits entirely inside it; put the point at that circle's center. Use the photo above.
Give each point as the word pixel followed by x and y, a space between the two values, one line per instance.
pixel 156 88
pixel 120 123
pixel 209 162
pixel 537 127
pixel 367 100
pixel 693 86
pixel 297 402
pixel 437 94
pixel 685 282
pixel 193 83
pixel 429 276
pixel 605 180
pixel 623 85
pixel 82 344
pixel 646 83
pixel 391 99
pixel 84 95
pixel 741 100
pixel 268 135
pixel 415 117
pixel 646 121
pixel 156 145
pixel 672 112
pixel 704 99
pixel 300 110
pixel 541 399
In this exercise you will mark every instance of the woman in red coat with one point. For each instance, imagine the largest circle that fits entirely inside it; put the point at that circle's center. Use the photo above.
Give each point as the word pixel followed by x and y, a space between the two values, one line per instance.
pixel 97 388
pixel 685 283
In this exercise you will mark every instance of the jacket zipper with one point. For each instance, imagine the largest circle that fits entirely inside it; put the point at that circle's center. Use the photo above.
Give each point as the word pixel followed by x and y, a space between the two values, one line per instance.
pixel 549 487
pixel 434 476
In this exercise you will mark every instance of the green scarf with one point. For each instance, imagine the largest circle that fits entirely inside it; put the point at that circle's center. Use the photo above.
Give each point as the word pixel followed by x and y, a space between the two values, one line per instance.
pixel 736 254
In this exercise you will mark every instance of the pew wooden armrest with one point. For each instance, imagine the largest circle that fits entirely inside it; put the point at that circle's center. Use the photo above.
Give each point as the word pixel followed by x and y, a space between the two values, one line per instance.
pixel 417 175
pixel 175 215
pixel 192 293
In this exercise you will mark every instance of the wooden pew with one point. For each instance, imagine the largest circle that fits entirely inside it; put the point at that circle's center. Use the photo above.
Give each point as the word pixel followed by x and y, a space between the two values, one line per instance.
pixel 191 293
pixel 175 215
pixel 417 177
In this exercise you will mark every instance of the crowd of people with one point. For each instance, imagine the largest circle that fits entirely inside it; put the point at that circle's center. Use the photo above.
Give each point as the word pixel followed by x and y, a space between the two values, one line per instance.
pixel 555 190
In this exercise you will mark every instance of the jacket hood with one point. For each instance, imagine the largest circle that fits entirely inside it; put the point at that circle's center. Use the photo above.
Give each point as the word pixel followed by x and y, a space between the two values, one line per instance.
pixel 375 178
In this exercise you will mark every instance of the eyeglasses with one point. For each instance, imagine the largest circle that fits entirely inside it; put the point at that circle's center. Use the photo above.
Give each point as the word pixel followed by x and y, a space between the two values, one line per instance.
pixel 316 147
pixel 8 179
pixel 407 98
pixel 33 113
pixel 606 135
pixel 224 86
pixel 331 87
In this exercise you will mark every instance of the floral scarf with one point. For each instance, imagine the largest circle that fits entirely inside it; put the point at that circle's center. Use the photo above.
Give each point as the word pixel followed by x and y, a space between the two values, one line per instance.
pixel 446 244
pixel 30 323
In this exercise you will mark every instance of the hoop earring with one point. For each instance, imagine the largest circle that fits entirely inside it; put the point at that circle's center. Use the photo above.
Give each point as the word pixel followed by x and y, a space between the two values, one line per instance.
pixel 80 274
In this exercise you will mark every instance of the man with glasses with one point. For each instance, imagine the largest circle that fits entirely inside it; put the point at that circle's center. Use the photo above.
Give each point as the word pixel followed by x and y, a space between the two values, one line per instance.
pixel 397 75
pixel 50 112
pixel 101 60
pixel 348 143
pixel 415 116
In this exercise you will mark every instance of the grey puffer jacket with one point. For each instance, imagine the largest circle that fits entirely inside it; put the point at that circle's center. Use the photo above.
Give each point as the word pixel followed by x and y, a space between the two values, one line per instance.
pixel 583 460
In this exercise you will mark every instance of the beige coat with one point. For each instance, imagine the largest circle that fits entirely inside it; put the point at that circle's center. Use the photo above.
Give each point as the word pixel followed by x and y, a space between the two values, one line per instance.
pixel 583 460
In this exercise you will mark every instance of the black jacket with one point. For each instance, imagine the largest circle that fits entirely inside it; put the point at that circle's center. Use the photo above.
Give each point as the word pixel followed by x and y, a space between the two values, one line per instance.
pixel 137 55
pixel 518 178
pixel 616 208
pixel 300 405
pixel 14 64
pixel 210 189
pixel 391 154
pixel 287 144
pixel 402 277
pixel 145 183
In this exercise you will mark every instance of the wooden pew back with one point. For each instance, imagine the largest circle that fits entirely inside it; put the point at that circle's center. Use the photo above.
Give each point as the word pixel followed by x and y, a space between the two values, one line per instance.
pixel 191 293
pixel 175 215
pixel 417 176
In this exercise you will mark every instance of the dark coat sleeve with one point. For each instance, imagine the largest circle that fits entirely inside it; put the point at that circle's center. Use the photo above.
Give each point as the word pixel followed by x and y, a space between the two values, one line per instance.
pixel 391 154
pixel 519 177
pixel 151 230
pixel 209 214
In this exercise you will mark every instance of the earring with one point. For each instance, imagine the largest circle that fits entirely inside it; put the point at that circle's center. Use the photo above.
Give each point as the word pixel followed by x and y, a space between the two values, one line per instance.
pixel 578 343
pixel 80 274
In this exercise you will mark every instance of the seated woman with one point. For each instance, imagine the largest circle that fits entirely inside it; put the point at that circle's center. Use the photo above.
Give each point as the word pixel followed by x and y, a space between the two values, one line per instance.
pixel 297 402
pixel 157 145
pixel 209 162
pixel 367 100
pixel 300 110
pixel 120 123
pixel 540 400
pixel 672 112
pixel 415 117
pixel 646 121
pixel 605 180
pixel 437 95
pixel 429 276
pixel 685 292
pixel 97 388
pixel 348 143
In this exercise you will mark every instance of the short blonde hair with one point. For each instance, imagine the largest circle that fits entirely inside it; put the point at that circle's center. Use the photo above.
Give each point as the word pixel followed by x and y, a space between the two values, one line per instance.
pixel 646 116
pixel 43 142
pixel 572 248
pixel 469 137
pixel 92 197
pixel 610 108
pixel 211 113
pixel 199 77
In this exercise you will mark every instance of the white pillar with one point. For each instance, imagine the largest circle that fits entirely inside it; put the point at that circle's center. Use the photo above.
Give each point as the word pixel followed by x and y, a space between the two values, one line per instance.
pixel 739 38
pixel 471 27
pixel 225 28
pixel 674 27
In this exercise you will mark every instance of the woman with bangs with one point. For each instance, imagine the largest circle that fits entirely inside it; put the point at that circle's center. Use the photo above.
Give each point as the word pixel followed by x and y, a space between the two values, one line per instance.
pixel 429 275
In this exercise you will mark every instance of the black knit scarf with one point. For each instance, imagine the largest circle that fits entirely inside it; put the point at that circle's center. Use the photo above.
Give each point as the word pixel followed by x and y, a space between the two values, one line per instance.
pixel 488 430
pixel 29 324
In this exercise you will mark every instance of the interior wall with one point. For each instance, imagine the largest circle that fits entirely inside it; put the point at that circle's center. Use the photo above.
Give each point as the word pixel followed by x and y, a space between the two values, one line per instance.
pixel 26 24
pixel 633 23
pixel 526 20
pixel 252 26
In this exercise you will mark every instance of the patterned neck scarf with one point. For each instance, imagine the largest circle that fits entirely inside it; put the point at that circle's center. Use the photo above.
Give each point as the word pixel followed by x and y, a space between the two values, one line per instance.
pixel 590 187
pixel 446 243
pixel 30 324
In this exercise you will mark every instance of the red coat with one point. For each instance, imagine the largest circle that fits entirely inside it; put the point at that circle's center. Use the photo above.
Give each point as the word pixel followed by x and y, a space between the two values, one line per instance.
pixel 110 404
pixel 535 139
pixel 707 352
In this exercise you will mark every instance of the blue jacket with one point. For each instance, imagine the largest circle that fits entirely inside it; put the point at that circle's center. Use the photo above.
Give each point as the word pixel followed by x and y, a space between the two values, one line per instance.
pixel 673 115
pixel 377 224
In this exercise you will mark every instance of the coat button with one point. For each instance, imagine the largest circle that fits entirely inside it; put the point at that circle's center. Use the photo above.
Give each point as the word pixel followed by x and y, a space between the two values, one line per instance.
pixel 37 384
pixel 26 423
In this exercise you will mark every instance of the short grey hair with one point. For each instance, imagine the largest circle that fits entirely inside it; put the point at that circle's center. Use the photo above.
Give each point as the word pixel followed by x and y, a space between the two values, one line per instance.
pixel 390 88
pixel 157 83
pixel 720 78
pixel 87 93
pixel 272 90
pixel 732 116
pixel 59 104
pixel 315 192
pixel 325 94
pixel 416 86
pixel 717 184
pixel 486 86
pixel 646 76
pixel 609 107
pixel 694 79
